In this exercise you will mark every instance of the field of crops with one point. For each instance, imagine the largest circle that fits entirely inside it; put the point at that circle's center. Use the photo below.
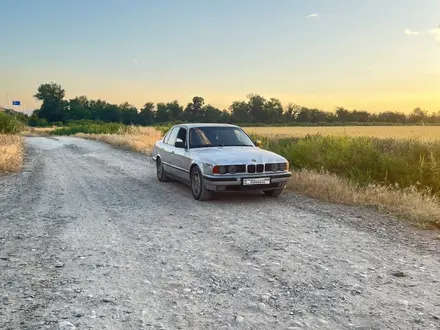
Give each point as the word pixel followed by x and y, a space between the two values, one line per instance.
pixel 398 132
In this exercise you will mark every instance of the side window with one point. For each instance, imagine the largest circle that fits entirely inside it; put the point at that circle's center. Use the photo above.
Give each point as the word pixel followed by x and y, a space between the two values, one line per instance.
pixel 173 136
pixel 166 136
pixel 182 134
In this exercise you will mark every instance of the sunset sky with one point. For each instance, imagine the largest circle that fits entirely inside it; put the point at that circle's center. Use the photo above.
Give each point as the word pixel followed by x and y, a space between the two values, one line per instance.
pixel 373 55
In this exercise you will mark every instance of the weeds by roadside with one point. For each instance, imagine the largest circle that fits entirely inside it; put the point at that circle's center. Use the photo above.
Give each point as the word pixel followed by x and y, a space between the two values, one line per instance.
pixel 11 153
pixel 420 207
pixel 108 128
pixel 365 160
pixel 139 139
pixel 9 124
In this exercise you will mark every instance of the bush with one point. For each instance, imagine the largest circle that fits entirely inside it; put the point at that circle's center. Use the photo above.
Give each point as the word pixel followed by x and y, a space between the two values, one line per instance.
pixel 34 121
pixel 164 128
pixel 365 160
pixel 9 124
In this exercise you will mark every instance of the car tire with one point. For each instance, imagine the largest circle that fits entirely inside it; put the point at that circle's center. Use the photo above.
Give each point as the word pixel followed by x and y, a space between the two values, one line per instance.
pixel 160 171
pixel 274 193
pixel 198 188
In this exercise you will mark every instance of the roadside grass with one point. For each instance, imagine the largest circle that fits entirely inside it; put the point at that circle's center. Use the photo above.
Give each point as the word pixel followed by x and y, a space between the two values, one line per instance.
pixel 11 153
pixel 400 176
pixel 107 128
pixel 364 160
pixel 11 144
pixel 9 124
pixel 419 207
pixel 139 139
pixel 38 131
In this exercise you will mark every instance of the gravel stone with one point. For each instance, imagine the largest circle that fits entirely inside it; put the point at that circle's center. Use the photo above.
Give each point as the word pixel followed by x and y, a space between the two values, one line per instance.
pixel 91 208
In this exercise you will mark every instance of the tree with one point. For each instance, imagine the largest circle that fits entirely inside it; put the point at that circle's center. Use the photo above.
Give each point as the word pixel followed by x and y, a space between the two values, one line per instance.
pixel 146 115
pixel 128 113
pixel 256 108
pixel 273 111
pixel 174 110
pixel 418 115
pixel 193 111
pixel 342 114
pixel 78 108
pixel 212 114
pixel 53 107
pixel 391 117
pixel 50 92
pixel 240 112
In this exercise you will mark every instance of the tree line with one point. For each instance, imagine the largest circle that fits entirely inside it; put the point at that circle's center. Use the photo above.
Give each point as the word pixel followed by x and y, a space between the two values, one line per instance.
pixel 255 110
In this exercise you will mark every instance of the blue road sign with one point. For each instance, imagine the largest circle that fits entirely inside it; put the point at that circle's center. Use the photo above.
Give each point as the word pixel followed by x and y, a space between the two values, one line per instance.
pixel 16 103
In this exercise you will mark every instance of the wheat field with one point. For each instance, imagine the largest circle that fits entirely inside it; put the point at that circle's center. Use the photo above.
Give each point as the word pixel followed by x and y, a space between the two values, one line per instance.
pixel 426 133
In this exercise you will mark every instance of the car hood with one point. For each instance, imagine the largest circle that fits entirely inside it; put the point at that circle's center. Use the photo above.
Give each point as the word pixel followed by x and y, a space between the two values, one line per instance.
pixel 236 155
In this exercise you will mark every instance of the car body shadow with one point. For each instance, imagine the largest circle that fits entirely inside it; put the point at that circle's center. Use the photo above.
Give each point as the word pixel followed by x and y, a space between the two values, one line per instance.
pixel 229 197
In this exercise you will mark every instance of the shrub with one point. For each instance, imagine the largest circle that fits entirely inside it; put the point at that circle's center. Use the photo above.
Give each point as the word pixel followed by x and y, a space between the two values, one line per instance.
pixel 365 160
pixel 9 124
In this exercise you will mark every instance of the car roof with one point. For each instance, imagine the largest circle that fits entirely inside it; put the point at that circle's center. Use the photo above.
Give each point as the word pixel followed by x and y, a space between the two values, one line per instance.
pixel 194 125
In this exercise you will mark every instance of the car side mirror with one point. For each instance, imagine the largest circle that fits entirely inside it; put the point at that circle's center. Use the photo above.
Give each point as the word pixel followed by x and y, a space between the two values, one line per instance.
pixel 257 143
pixel 179 143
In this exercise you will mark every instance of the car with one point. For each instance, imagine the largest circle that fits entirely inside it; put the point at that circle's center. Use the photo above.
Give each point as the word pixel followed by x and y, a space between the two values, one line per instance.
pixel 218 158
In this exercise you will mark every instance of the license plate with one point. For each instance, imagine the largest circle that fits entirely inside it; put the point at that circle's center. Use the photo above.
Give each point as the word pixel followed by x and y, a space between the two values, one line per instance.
pixel 252 181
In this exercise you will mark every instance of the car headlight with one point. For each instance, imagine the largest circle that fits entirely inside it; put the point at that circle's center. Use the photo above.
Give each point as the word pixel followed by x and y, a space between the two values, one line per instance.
pixel 284 166
pixel 274 167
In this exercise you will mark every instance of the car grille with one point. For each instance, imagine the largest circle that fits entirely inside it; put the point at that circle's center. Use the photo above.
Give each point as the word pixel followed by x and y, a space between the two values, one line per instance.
pixel 251 168
pixel 259 168
pixel 241 168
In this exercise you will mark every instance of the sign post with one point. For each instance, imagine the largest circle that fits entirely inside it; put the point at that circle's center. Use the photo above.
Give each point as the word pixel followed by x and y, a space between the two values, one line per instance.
pixel 17 103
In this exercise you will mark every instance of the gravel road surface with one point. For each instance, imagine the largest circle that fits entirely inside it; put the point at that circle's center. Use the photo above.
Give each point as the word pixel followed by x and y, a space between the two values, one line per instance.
pixel 90 239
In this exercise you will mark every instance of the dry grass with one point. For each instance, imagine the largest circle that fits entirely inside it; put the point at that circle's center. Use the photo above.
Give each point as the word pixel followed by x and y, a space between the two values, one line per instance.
pixel 11 153
pixel 420 132
pixel 38 131
pixel 421 208
pixel 140 139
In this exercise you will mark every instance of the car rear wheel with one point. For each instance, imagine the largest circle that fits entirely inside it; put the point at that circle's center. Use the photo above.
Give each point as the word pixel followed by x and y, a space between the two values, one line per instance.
pixel 198 188
pixel 274 193
pixel 161 175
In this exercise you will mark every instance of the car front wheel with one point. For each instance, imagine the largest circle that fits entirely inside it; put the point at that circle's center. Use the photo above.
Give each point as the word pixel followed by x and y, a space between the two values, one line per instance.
pixel 161 175
pixel 198 188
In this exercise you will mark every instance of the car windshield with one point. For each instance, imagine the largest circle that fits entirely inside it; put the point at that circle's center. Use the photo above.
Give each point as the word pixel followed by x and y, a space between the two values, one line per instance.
pixel 212 136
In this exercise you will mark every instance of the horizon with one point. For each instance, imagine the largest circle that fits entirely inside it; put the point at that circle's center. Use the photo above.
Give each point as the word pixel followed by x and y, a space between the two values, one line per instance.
pixel 371 56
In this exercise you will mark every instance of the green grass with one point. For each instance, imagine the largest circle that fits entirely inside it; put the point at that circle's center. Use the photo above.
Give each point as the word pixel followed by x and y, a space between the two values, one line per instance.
pixel 9 124
pixel 365 160
pixel 109 128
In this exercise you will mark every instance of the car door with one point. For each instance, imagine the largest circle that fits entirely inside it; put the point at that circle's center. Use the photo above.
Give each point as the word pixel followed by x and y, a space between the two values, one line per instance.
pixel 167 149
pixel 180 157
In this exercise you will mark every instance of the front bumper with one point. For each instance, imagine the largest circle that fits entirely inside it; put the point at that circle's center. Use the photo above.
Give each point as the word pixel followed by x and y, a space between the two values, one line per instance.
pixel 235 182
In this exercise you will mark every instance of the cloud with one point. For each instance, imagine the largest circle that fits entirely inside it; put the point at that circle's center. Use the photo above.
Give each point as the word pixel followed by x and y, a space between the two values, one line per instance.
pixel 409 32
pixel 312 16
pixel 135 61
pixel 436 33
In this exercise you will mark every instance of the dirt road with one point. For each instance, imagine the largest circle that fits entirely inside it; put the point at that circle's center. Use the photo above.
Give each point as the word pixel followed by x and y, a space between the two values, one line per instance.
pixel 90 238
